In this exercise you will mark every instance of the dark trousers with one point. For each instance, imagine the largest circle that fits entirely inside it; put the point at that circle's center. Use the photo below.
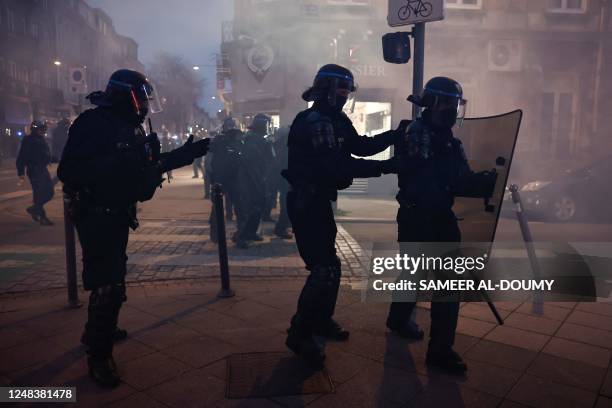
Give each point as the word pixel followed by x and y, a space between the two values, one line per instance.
pixel 283 223
pixel 42 187
pixel 104 241
pixel 229 196
pixel 315 234
pixel 249 211
pixel 417 225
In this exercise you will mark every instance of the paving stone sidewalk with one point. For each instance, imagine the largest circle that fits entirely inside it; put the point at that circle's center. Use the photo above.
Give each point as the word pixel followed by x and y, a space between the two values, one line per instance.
pixel 181 335
pixel 168 250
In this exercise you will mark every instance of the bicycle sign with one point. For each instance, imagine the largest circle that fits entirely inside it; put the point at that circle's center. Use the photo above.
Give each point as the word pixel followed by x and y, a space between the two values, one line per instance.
pixel 407 12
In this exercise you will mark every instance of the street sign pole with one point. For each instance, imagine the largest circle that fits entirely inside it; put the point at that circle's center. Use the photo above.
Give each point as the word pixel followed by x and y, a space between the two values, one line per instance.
pixel 418 33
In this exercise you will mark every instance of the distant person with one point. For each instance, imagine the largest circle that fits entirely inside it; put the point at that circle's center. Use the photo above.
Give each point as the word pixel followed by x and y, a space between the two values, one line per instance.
pixel 198 165
pixel 255 159
pixel 167 145
pixel 59 136
pixel 280 163
pixel 34 156
pixel 224 159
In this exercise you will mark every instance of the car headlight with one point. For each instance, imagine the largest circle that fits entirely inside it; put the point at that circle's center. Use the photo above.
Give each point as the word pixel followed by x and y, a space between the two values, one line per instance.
pixel 535 185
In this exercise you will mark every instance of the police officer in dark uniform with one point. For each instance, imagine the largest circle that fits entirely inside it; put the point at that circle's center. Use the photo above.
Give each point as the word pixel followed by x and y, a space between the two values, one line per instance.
pixel 321 141
pixel 255 159
pixel 433 170
pixel 108 165
pixel 35 155
pixel 60 135
pixel 280 162
pixel 224 159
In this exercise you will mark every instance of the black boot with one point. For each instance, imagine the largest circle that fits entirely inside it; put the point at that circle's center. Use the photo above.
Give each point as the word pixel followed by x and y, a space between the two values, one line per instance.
pixel 448 361
pixel 33 213
pixel 45 221
pixel 407 329
pixel 255 237
pixel 332 331
pixel 399 321
pixel 120 334
pixel 306 347
pixel 282 234
pixel 103 371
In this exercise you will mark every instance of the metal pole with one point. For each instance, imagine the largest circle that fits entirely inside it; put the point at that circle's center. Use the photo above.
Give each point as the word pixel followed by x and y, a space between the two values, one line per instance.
pixel 538 306
pixel 70 243
pixel 217 195
pixel 418 33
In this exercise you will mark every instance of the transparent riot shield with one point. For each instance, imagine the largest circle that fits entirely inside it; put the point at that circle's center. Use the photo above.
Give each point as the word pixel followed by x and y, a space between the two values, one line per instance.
pixel 489 143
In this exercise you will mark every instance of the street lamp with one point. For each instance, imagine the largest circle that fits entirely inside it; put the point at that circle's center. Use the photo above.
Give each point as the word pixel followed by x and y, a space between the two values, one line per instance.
pixel 196 67
pixel 57 63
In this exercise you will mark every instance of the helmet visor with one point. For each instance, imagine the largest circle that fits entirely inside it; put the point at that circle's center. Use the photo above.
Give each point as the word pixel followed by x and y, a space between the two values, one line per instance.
pixel 146 95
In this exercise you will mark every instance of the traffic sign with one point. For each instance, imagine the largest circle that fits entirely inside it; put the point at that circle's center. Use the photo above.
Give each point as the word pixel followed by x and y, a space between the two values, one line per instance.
pixel 407 12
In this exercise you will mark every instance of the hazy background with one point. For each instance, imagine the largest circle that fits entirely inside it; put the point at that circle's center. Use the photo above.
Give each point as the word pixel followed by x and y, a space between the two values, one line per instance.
pixel 190 29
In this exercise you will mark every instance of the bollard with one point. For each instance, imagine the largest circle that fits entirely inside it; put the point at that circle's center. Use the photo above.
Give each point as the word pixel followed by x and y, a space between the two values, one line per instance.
pixel 217 198
pixel 537 303
pixel 70 243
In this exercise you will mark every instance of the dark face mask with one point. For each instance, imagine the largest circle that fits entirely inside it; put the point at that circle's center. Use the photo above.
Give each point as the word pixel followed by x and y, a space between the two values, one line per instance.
pixel 444 119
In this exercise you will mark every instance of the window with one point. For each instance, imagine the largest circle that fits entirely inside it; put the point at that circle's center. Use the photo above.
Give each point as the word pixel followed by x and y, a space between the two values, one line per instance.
pixel 36 77
pixel 556 126
pixel 10 20
pixel 12 69
pixel 463 4
pixel 567 6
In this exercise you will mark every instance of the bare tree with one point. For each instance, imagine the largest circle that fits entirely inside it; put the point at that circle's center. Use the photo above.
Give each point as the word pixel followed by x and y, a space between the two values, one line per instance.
pixel 179 89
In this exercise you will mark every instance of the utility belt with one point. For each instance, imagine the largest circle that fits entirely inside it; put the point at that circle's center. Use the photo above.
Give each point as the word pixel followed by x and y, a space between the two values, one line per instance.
pixel 79 205
pixel 313 191
pixel 408 202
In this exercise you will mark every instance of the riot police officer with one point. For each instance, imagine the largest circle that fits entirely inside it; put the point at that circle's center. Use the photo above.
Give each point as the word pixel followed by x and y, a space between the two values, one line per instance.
pixel 280 162
pixel 224 159
pixel 255 159
pixel 320 142
pixel 108 165
pixel 35 155
pixel 433 170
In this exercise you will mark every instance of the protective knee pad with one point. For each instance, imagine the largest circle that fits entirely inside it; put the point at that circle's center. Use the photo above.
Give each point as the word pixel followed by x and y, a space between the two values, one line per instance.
pixel 325 275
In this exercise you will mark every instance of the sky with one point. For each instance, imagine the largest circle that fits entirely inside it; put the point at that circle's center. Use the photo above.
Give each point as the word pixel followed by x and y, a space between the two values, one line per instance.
pixel 188 28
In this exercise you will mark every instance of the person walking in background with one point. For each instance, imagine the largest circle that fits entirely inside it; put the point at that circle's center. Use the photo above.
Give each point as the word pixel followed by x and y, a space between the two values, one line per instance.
pixel 59 136
pixel 167 145
pixel 34 156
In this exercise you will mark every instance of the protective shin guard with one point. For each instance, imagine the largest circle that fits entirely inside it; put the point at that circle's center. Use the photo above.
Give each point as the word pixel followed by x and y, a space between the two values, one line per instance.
pixel 103 312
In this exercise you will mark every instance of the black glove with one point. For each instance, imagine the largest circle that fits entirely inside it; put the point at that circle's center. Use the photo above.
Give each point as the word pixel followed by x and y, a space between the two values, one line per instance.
pixel 403 125
pixel 184 155
pixel 197 149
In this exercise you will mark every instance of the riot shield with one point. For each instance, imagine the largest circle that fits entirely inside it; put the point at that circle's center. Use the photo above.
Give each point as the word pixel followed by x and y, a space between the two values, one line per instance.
pixel 489 143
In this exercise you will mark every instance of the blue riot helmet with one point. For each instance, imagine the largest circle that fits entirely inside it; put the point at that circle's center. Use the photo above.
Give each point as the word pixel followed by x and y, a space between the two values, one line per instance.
pixel 443 97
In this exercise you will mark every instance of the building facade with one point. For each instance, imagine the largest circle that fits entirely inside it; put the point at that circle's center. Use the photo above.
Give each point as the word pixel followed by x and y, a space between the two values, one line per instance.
pixel 52 53
pixel 550 58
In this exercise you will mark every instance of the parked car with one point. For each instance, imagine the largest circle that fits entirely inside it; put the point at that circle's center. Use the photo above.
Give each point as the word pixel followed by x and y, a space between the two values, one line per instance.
pixel 582 194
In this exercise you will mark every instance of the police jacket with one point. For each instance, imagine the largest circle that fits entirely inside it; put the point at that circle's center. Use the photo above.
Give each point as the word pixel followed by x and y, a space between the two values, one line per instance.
pixel 105 161
pixel 224 156
pixel 434 169
pixel 321 143
pixel 33 153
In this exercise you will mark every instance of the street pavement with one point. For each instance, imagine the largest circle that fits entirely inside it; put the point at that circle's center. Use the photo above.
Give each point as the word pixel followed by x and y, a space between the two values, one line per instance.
pixel 181 333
